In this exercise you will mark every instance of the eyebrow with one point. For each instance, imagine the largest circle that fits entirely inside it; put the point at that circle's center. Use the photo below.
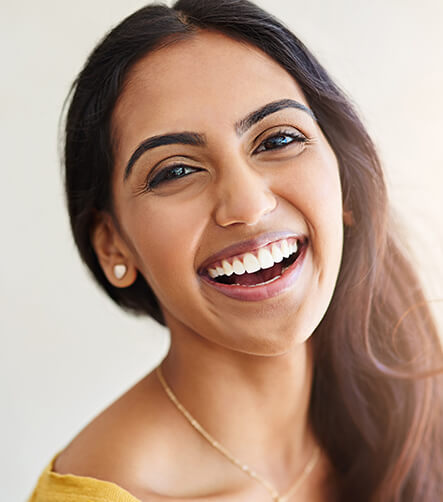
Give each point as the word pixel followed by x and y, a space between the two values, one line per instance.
pixel 197 139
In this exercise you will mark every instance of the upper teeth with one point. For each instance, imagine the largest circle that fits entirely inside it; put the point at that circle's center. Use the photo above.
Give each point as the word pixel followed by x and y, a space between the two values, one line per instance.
pixel 263 258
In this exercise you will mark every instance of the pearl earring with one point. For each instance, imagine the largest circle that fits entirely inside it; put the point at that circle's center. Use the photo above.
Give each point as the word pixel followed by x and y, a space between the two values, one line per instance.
pixel 120 270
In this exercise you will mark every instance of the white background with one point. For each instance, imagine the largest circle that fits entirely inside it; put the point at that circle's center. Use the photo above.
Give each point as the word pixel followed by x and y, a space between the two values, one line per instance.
pixel 66 350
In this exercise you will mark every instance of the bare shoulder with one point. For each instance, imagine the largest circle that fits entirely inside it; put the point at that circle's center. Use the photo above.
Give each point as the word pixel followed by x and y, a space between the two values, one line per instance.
pixel 120 443
pixel 142 444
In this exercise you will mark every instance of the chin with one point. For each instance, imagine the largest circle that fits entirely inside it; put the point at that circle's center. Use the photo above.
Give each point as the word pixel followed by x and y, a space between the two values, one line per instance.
pixel 268 343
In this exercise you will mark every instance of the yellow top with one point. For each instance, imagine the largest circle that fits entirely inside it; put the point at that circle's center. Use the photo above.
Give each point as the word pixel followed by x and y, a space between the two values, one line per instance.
pixel 54 487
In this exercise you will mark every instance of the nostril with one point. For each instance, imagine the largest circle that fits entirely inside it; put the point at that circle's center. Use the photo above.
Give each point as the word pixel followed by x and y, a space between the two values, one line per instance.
pixel 272 201
pixel 246 208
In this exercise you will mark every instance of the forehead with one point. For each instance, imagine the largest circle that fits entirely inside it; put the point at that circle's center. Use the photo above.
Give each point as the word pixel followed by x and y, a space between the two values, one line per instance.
pixel 198 82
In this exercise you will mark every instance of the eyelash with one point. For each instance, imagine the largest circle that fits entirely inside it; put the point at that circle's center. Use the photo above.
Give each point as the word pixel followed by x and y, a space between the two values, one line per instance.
pixel 165 174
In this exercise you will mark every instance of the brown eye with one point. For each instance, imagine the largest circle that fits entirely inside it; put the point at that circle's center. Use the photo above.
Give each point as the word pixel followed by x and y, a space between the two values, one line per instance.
pixel 169 174
pixel 280 140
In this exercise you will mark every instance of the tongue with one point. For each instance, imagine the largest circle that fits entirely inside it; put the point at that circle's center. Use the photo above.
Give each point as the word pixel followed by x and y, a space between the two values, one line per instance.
pixel 257 277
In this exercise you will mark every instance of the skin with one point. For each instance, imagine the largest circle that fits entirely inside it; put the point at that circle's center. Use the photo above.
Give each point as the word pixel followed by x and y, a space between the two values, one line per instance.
pixel 243 369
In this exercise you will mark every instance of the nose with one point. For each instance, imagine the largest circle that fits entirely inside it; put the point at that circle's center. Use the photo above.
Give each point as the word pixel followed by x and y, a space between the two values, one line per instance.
pixel 242 196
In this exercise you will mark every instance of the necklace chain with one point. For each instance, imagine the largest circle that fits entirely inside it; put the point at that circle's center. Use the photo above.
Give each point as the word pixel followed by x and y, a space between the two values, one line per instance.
pixel 276 497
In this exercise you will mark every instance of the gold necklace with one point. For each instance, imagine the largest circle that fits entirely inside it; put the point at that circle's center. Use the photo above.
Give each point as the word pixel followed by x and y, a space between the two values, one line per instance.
pixel 276 497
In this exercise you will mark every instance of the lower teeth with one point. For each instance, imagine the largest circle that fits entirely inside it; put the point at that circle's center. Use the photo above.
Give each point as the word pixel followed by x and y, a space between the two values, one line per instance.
pixel 263 283
pixel 267 282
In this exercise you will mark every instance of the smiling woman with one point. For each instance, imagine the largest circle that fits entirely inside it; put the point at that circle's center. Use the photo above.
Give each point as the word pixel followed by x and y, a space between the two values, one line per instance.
pixel 220 182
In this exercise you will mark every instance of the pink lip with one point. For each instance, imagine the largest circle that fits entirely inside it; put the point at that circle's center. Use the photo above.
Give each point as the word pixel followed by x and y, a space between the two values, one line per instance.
pixel 257 293
pixel 249 245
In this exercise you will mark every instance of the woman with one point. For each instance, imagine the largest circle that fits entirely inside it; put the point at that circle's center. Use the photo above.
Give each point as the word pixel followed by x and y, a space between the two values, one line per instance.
pixel 219 181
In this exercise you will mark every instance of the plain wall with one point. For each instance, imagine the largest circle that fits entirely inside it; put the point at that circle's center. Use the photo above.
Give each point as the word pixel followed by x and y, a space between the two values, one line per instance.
pixel 67 351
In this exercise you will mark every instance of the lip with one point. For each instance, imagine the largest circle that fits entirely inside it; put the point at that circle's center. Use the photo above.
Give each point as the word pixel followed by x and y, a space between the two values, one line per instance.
pixel 270 290
pixel 246 246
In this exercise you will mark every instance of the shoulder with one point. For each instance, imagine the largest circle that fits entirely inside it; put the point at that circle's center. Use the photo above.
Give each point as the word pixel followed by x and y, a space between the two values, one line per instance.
pixel 118 445
pixel 142 444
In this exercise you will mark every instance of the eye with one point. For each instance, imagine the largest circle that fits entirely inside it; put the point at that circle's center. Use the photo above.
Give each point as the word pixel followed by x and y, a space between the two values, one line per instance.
pixel 280 140
pixel 168 174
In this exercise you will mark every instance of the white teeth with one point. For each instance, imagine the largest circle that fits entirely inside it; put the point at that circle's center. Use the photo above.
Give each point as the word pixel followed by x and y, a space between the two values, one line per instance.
pixel 238 267
pixel 285 250
pixel 227 267
pixel 251 263
pixel 276 253
pixel 265 258
pixel 213 273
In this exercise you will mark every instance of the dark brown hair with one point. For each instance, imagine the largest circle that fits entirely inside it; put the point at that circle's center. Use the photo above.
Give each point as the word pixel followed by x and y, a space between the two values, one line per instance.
pixel 376 403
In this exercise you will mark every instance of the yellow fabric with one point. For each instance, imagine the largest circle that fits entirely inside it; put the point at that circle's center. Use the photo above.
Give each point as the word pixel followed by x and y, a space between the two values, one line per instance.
pixel 54 487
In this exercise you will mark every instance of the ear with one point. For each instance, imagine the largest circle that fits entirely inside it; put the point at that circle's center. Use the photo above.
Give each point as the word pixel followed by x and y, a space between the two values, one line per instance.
pixel 112 252
pixel 348 218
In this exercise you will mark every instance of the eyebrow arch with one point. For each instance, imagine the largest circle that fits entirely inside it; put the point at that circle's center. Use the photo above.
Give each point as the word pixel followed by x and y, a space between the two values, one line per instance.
pixel 196 139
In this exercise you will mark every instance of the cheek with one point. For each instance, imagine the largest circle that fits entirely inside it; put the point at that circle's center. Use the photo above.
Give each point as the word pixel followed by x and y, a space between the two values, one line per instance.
pixel 165 236
pixel 312 185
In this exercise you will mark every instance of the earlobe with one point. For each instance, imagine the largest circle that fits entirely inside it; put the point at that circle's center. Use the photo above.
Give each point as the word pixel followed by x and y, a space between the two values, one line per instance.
pixel 112 253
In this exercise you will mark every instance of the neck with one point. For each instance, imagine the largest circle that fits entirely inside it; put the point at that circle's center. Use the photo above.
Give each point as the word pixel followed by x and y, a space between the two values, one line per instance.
pixel 255 406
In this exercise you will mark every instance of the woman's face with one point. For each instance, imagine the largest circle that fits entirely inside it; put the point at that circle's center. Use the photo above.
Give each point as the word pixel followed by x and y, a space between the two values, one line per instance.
pixel 241 178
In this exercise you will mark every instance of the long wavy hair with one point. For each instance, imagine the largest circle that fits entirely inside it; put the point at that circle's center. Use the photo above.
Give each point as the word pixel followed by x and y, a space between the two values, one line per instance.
pixel 376 404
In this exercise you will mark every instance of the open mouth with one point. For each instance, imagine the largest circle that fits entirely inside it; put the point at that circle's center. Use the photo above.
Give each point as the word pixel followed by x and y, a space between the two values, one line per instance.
pixel 258 268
